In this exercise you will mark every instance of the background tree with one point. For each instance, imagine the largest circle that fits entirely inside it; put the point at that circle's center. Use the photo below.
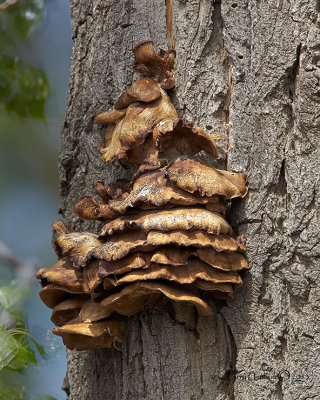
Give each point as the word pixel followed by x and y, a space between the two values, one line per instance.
pixel 248 71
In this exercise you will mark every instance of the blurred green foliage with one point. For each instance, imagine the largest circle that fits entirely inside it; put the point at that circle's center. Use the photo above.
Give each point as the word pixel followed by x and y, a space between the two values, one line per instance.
pixel 23 88
pixel 17 346
pixel 25 16
pixel 23 92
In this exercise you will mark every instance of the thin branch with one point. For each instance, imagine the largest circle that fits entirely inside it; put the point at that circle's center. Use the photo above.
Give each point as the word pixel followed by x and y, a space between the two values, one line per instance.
pixel 23 268
pixel 7 4
pixel 7 255
pixel 169 30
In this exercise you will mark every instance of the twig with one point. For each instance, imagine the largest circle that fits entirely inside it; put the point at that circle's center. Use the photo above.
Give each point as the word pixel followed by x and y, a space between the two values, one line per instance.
pixel 7 4
pixel 24 269
pixel 169 31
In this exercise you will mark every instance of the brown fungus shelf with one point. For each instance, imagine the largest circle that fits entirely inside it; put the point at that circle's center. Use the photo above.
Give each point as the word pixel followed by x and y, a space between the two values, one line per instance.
pixel 165 233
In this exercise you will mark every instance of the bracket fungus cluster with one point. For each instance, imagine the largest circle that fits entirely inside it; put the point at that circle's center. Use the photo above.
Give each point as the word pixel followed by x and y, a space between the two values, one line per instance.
pixel 164 233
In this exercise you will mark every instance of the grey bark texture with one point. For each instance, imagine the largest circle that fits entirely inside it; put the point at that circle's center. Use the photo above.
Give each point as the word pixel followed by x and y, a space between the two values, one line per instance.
pixel 250 70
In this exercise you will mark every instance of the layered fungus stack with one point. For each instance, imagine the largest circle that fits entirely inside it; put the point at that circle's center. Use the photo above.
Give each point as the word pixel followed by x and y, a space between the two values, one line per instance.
pixel 164 233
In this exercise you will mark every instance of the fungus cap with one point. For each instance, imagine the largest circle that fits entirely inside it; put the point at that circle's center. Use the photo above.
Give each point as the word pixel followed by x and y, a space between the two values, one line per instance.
pixel 134 128
pixel 85 336
pixel 75 245
pixel 111 116
pixel 120 245
pixel 186 274
pixel 181 218
pixel 137 296
pixel 68 309
pixel 62 273
pixel 174 256
pixel 148 191
pixel 53 294
pixel 145 90
pixel 88 208
pixel 193 176
pixel 157 66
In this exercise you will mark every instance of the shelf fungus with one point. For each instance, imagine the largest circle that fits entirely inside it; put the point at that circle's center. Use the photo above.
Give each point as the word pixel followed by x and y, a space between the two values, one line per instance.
pixel 164 234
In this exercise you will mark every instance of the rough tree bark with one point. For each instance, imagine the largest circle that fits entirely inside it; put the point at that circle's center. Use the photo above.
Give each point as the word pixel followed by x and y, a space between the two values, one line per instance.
pixel 250 71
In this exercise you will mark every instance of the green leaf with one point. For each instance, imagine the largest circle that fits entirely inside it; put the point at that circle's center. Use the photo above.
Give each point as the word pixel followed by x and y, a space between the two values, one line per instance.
pixel 25 17
pixel 15 354
pixel 40 349
pixel 47 397
pixel 24 356
pixel 22 332
pixel 23 89
pixel 9 347
pixel 11 298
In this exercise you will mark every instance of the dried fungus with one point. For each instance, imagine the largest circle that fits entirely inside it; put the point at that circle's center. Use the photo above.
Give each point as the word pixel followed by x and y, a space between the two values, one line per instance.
pixel 85 336
pixel 53 294
pixel 118 246
pixel 145 90
pixel 68 309
pixel 173 256
pixel 158 66
pixel 196 177
pixel 93 311
pixel 140 295
pixel 75 245
pixel 136 125
pixel 149 191
pixel 62 273
pixel 181 218
pixel 193 270
pixel 165 235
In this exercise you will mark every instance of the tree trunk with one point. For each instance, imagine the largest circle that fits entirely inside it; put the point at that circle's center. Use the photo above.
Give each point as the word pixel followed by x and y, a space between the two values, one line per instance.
pixel 248 71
